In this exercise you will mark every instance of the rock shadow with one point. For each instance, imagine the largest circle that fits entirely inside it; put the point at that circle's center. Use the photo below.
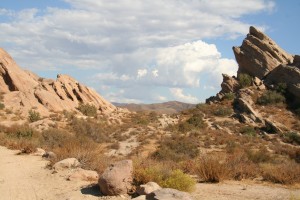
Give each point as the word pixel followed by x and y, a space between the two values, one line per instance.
pixel 93 190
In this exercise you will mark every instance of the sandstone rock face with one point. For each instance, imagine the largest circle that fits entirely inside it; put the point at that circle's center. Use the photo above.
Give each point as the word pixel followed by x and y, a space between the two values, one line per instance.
pixel 259 54
pixel 229 84
pixel 117 178
pixel 286 74
pixel 168 194
pixel 23 90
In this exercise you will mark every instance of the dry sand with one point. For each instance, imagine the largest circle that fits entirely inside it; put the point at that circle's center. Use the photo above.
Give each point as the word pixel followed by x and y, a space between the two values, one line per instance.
pixel 24 177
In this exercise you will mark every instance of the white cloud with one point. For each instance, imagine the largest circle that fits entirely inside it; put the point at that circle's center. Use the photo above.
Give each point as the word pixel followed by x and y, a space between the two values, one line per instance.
pixel 178 95
pixel 130 42
pixel 141 73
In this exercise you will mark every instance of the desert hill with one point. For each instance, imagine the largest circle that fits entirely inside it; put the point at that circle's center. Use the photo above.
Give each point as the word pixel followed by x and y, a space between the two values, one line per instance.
pixel 23 90
pixel 169 107
pixel 245 140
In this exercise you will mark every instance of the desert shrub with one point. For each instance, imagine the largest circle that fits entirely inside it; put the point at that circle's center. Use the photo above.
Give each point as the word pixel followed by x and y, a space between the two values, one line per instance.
pixel 2 106
pixel 85 150
pixel 284 173
pixel 222 111
pixel 229 96
pixel 179 181
pixel 260 156
pixel 53 138
pixel 292 137
pixel 297 112
pixel 33 116
pixel 91 129
pixel 248 130
pixel 20 137
pixel 177 148
pixel 210 169
pixel 270 97
pixel 244 80
pixel 194 122
pixel 88 109
pixel 162 174
pixel 281 88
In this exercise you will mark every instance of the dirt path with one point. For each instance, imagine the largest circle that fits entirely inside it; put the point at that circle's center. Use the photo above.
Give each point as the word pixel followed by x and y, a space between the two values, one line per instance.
pixel 24 177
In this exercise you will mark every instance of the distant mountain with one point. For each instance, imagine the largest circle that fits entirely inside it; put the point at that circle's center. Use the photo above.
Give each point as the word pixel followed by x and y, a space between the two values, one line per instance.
pixel 169 107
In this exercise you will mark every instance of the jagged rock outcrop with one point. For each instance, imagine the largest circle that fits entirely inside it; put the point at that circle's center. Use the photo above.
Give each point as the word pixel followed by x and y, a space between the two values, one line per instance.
pixel 259 54
pixel 23 90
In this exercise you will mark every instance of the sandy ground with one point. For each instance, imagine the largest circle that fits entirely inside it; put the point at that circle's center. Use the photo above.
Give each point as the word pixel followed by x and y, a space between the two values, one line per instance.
pixel 24 177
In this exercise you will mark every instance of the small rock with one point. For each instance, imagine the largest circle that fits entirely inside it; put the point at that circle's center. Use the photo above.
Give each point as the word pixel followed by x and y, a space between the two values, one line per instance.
pixel 66 164
pixel 147 188
pixel 84 175
pixel 49 155
pixel 168 194
pixel 142 197
pixel 39 152
pixel 117 178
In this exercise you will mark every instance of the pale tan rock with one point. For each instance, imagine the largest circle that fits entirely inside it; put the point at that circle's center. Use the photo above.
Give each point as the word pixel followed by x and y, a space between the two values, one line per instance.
pixel 66 164
pixel 83 175
pixel 147 188
pixel 168 194
pixel 24 90
pixel 39 152
pixel 229 84
pixel 117 178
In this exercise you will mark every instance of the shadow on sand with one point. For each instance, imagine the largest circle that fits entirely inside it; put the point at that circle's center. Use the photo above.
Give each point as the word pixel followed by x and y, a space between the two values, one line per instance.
pixel 91 190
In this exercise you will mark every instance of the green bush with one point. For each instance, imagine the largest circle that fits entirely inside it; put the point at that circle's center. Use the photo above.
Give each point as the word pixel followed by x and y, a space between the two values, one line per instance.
pixel 260 156
pixel 281 88
pixel 229 96
pixel 33 116
pixel 271 97
pixel 248 130
pixel 164 176
pixel 245 80
pixel 223 111
pixel 179 181
pixel 88 110
pixel 2 106
pixel 292 137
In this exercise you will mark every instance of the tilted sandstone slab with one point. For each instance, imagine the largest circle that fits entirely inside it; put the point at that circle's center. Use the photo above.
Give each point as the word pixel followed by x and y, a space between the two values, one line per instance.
pixel 23 90
pixel 259 54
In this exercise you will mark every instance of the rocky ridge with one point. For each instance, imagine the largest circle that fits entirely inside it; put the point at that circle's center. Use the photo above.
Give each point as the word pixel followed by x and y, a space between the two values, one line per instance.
pixel 23 90
pixel 268 65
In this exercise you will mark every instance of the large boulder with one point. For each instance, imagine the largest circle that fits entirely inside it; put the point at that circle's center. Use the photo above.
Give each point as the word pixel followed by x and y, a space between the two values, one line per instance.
pixel 168 194
pixel 229 84
pixel 117 178
pixel 259 55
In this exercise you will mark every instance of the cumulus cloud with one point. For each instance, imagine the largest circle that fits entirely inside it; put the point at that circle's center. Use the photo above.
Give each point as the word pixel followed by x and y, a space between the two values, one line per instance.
pixel 178 95
pixel 130 42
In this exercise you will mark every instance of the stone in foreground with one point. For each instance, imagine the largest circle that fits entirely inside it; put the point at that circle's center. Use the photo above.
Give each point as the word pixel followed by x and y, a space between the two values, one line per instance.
pixel 117 178
pixel 168 194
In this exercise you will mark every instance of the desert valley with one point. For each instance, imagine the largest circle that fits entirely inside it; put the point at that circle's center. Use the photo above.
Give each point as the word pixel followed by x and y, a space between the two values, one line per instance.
pixel 61 140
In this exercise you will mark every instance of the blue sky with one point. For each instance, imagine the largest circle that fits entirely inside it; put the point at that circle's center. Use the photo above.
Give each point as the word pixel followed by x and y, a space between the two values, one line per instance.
pixel 141 51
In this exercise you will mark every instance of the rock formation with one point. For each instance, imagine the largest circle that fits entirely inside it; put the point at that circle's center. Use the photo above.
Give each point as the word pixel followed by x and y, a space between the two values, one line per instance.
pixel 259 54
pixel 261 58
pixel 23 90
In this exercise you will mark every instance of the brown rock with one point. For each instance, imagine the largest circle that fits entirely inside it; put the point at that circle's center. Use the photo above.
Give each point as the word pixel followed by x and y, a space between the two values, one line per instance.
pixel 229 84
pixel 117 178
pixel 259 54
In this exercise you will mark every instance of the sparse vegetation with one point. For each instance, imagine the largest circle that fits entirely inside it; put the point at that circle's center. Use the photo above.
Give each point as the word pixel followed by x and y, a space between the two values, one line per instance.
pixel 223 111
pixel 88 109
pixel 34 116
pixel 244 80
pixel 229 96
pixel 271 97
pixel 2 106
